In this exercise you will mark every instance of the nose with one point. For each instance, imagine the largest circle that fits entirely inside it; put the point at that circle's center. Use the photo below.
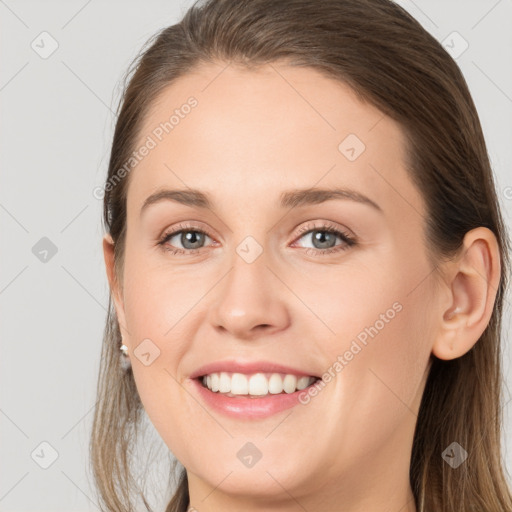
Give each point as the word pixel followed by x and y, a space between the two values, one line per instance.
pixel 250 301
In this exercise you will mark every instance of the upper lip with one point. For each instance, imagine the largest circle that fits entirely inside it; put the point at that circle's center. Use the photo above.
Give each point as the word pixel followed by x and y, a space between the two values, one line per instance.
pixel 248 367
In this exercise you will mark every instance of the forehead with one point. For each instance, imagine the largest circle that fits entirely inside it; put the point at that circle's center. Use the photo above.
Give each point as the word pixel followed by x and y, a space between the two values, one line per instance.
pixel 222 128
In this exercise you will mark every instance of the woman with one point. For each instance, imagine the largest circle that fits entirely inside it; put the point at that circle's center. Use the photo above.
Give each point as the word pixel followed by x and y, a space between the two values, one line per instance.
pixel 307 264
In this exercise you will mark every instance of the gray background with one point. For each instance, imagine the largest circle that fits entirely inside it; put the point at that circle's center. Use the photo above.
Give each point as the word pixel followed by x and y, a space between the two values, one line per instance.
pixel 57 123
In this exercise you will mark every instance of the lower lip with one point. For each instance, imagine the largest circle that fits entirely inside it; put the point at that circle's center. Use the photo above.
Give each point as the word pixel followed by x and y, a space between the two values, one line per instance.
pixel 245 407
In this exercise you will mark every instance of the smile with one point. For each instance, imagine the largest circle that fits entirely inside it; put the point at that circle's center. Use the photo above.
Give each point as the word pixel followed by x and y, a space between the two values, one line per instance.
pixel 255 385
pixel 249 397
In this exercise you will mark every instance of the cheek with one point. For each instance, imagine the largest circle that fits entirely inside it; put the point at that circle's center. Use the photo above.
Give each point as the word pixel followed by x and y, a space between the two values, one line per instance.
pixel 349 299
pixel 158 298
pixel 383 383
pixel 381 346
pixel 159 309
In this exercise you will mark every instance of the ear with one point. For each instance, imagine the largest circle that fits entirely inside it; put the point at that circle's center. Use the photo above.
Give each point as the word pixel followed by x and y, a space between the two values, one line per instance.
pixel 472 280
pixel 115 288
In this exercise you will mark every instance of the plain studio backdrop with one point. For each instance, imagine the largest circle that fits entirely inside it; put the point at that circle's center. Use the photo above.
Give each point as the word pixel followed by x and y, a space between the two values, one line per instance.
pixel 60 73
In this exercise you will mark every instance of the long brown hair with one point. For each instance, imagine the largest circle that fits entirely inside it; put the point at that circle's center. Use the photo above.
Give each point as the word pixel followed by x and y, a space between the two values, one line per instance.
pixel 393 63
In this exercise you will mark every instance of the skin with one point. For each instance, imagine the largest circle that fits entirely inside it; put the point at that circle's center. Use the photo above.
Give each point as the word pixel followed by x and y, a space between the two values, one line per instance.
pixel 253 135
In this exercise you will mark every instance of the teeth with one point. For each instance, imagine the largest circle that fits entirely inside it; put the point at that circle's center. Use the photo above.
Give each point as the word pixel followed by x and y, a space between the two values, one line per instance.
pixel 303 382
pixel 275 384
pixel 215 381
pixel 257 384
pixel 239 384
pixel 224 383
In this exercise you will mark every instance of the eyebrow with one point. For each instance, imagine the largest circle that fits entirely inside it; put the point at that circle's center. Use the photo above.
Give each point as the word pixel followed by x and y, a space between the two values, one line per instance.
pixel 289 199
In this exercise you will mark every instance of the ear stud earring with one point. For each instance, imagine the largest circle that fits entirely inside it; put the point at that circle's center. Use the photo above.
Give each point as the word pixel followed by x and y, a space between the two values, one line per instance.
pixel 124 359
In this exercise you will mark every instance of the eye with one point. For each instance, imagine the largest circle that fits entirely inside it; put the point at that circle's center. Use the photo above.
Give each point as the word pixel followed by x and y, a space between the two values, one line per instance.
pixel 190 237
pixel 323 238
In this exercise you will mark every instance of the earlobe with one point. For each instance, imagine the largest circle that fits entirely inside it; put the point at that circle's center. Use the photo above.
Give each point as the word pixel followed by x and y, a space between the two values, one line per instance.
pixel 473 285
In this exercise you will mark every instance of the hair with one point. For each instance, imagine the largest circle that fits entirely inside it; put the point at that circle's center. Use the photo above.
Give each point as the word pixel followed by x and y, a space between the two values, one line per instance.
pixel 391 62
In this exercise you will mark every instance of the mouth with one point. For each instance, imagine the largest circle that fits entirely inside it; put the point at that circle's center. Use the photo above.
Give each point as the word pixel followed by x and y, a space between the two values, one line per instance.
pixel 251 390
pixel 255 385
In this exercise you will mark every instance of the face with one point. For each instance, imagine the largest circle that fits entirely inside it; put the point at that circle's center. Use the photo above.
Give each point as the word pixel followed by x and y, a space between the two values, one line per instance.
pixel 258 277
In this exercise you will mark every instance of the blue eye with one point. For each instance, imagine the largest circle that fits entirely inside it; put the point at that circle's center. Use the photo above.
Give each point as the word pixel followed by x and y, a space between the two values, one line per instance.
pixel 323 238
pixel 190 238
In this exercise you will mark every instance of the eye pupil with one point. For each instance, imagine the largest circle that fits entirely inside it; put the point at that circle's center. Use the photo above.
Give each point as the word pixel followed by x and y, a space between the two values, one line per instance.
pixel 321 236
pixel 194 237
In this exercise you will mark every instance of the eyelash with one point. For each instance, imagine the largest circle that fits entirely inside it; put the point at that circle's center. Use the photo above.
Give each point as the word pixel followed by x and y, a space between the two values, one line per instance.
pixel 348 241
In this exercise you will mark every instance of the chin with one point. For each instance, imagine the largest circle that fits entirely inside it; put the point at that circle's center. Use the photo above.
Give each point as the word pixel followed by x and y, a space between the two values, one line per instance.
pixel 265 479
